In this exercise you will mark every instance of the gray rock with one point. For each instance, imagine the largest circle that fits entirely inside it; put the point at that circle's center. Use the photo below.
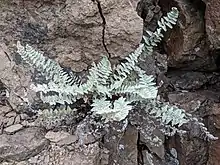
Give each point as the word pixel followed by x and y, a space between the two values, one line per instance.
pixel 56 136
pixel 4 109
pixel 11 114
pixel 22 145
pixel 13 128
pixel 9 121
pixel 68 140
pixel 17 119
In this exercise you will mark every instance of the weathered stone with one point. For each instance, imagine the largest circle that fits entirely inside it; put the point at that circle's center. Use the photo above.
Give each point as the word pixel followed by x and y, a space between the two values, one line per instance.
pixel 9 121
pixel 123 143
pixel 24 116
pixel 86 155
pixel 13 128
pixel 212 23
pixel 11 114
pixel 22 145
pixel 186 45
pixel 73 30
pixel 68 140
pixel 17 119
pixel 188 80
pixel 56 136
pixel 4 109
pixel 14 77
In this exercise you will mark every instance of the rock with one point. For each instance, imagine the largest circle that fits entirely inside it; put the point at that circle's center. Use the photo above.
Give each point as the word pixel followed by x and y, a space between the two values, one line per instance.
pixel 13 128
pixel 188 80
pixel 122 146
pixel 88 131
pixel 212 23
pixel 68 140
pixel 56 136
pixel 14 77
pixel 186 46
pixel 24 116
pixel 86 155
pixel 4 109
pixel 17 119
pixel 9 121
pixel 77 33
pixel 11 114
pixel 22 145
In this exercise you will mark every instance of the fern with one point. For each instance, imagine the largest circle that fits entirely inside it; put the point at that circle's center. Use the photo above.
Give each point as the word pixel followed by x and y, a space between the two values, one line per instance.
pixel 48 68
pixel 126 81
pixel 116 111
pixel 98 78
pixel 155 37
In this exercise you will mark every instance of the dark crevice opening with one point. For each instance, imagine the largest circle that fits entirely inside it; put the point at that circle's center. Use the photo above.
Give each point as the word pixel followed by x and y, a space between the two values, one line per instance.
pixel 103 25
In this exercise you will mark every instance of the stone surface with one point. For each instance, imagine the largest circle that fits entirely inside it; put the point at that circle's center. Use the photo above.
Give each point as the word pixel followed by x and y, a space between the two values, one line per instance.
pixel 186 46
pixel 122 145
pixel 22 145
pixel 72 31
pixel 4 110
pixel 9 121
pixel 68 140
pixel 56 136
pixel 13 128
pixel 86 155
pixel 189 80
pixel 201 103
pixel 212 23
pixel 14 78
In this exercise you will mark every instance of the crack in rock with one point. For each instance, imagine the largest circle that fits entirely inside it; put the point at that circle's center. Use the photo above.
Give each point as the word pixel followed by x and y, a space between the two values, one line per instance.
pixel 103 25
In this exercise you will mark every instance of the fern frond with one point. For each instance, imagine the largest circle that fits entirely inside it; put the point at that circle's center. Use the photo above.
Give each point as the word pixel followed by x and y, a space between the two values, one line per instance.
pixel 47 67
pixel 143 87
pixel 116 111
pixel 124 69
pixel 60 83
pixel 155 37
pixel 51 118
pixel 167 114
pixel 98 78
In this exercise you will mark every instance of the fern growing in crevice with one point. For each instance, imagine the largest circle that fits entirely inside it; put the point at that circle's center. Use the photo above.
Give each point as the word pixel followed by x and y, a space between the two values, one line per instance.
pixel 126 81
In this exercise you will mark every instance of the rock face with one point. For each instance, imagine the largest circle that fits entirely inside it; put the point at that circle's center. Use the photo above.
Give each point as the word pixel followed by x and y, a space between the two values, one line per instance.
pixel 22 145
pixel 212 19
pixel 75 32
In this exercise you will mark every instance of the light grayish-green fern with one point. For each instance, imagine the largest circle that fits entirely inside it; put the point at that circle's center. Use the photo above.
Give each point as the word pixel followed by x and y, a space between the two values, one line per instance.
pixel 127 81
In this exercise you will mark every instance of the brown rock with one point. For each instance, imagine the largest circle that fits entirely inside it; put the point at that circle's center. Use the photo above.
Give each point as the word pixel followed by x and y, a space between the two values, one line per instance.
pixel 186 45
pixel 86 155
pixel 73 29
pixel 212 20
pixel 22 145
pixel 123 143
pixel 13 77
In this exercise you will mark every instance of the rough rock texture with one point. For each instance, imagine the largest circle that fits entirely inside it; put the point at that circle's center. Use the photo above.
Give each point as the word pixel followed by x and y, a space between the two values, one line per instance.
pixel 212 20
pixel 189 50
pixel 14 80
pixel 73 31
pixel 122 145
pixel 22 145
